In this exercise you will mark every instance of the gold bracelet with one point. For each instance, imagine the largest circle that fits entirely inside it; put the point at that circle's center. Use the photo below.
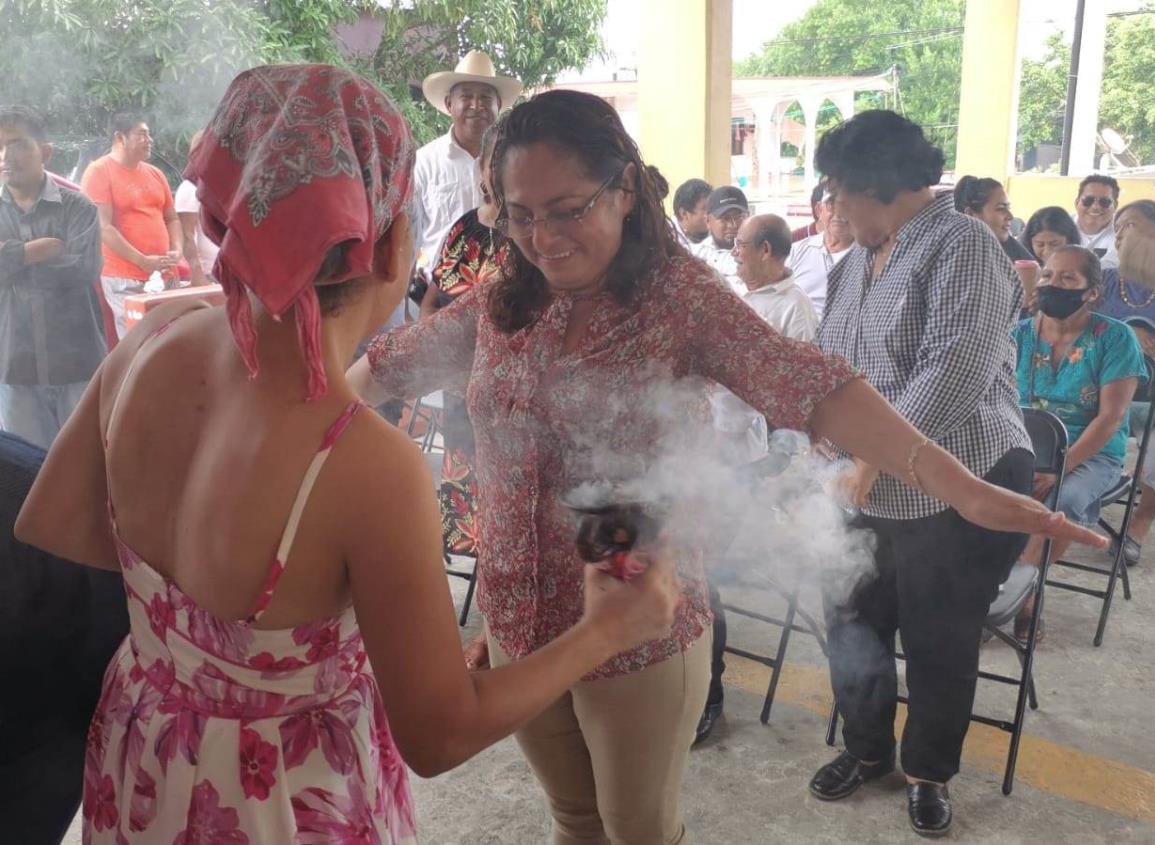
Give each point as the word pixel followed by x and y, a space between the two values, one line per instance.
pixel 910 463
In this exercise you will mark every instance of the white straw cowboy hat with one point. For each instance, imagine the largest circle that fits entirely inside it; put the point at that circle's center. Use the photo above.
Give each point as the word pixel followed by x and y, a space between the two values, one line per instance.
pixel 475 67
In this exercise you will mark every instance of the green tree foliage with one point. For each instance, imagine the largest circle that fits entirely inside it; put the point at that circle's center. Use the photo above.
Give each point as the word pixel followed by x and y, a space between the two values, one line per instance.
pixel 80 61
pixel 920 39
pixel 1127 105
pixel 530 40
pixel 1043 95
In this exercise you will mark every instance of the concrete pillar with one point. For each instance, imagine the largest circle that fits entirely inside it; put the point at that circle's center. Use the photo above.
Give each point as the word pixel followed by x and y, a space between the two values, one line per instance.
pixel 1085 129
pixel 684 96
pixel 988 117
pixel 768 141
pixel 810 109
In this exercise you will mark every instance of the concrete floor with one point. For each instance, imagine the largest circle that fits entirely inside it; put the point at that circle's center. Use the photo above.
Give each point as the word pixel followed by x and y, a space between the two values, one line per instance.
pixel 1086 771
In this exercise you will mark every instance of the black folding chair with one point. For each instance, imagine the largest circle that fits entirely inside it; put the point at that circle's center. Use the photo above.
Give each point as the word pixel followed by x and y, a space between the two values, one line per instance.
pixel 788 625
pixel 1125 493
pixel 469 576
pixel 1049 439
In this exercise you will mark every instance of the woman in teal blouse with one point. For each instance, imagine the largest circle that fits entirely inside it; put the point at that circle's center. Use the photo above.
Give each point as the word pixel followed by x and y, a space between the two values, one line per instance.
pixel 1083 367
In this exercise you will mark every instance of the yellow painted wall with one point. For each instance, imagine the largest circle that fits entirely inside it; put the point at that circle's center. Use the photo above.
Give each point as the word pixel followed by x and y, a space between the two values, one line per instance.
pixel 684 71
pixel 988 96
pixel 1030 192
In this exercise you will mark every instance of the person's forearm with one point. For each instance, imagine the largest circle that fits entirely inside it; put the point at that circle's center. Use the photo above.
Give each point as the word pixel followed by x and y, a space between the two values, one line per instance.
pixel 507 697
pixel 110 236
pixel 41 250
pixel 175 236
pixel 856 418
pixel 1093 439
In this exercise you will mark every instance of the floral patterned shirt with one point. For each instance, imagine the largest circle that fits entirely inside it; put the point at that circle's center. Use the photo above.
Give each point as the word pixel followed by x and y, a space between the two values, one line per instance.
pixel 1107 351
pixel 548 420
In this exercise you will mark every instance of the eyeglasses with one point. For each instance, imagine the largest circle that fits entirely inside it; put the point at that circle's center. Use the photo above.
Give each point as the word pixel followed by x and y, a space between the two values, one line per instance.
pixel 1104 202
pixel 556 221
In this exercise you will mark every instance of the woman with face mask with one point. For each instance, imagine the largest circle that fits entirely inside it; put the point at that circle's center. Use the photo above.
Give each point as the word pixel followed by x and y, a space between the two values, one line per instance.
pixel 1083 367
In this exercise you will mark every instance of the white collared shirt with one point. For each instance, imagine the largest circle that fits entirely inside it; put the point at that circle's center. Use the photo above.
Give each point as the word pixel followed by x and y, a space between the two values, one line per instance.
pixel 742 430
pixel 446 184
pixel 721 260
pixel 1102 244
pixel 810 262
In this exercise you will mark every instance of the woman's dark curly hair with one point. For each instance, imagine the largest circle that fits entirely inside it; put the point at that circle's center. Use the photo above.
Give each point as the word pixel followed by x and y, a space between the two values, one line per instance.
pixel 879 153
pixel 587 128
pixel 1050 219
pixel 972 193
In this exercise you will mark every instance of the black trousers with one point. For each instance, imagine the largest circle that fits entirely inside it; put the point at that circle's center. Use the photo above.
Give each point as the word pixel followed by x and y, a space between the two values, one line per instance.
pixel 936 579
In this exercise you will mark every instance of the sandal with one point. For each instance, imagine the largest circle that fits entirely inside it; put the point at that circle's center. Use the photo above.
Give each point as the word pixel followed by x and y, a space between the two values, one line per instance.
pixel 1023 629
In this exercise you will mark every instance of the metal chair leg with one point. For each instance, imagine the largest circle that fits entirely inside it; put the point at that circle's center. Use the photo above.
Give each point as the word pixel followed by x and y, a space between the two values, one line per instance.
pixel 776 670
pixel 468 596
pixel 1107 599
pixel 832 726
pixel 1125 575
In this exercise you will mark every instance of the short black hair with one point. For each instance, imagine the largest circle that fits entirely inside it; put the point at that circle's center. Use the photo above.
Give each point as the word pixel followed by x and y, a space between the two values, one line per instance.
pixel 124 122
pixel 26 118
pixel 879 153
pixel 773 230
pixel 1051 219
pixel 1100 179
pixel 972 193
pixel 690 193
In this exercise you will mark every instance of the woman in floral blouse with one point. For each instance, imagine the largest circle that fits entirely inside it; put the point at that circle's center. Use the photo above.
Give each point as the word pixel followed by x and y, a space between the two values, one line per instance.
pixel 1084 368
pixel 597 342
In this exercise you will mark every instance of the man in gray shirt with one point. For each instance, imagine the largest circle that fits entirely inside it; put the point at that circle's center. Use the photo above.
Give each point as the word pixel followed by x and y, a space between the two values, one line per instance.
pixel 51 331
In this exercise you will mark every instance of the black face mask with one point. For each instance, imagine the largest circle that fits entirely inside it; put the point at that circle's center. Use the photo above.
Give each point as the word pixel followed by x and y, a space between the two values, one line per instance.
pixel 1060 303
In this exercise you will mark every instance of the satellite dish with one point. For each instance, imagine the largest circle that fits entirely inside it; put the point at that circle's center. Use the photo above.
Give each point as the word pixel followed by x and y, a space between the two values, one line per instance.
pixel 1114 141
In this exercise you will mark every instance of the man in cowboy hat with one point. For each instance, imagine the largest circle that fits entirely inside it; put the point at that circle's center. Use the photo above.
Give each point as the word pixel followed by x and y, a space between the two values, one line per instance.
pixel 446 179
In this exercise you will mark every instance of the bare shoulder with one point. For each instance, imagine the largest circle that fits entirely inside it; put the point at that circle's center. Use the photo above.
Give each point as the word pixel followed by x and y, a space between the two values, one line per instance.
pixel 380 465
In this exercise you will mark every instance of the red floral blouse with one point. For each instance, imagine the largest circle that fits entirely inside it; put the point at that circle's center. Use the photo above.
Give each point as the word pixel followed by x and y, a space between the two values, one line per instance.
pixel 547 421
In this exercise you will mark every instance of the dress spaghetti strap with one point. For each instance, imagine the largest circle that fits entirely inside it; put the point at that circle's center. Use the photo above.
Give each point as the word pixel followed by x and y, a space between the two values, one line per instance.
pixel 285 547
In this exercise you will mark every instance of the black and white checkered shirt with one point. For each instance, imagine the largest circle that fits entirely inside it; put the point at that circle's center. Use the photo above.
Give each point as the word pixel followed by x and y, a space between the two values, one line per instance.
pixel 933 335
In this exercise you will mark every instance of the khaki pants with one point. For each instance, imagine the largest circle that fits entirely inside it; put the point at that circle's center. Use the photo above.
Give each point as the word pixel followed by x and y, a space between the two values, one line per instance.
pixel 610 754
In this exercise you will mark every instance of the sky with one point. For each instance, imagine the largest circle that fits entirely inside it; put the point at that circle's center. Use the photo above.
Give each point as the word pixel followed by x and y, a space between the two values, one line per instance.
pixel 759 21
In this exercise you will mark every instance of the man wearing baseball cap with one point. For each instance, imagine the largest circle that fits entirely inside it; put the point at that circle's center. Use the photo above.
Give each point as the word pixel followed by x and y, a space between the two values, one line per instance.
pixel 446 181
pixel 727 210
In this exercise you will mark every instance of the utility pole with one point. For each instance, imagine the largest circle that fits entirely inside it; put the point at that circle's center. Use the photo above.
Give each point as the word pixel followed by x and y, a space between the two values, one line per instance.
pixel 1072 88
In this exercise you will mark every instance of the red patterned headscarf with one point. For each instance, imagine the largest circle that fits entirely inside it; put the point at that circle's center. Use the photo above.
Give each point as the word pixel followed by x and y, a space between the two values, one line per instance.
pixel 297 159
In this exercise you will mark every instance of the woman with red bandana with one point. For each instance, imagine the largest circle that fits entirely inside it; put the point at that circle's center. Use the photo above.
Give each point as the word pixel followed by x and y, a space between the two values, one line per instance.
pixel 292 639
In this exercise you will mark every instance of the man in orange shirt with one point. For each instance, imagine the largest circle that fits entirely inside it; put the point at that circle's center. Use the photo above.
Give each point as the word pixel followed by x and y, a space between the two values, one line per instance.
pixel 140 230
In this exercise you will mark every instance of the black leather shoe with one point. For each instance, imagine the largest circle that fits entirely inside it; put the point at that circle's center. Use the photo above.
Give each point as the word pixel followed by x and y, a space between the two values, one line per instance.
pixel 709 719
pixel 928 805
pixel 845 774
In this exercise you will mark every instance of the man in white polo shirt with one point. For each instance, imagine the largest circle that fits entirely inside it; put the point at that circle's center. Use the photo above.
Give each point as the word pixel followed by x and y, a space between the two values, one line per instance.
pixel 446 181
pixel 812 259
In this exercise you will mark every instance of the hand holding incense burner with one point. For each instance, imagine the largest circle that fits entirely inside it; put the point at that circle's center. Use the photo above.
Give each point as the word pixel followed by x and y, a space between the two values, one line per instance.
pixel 611 526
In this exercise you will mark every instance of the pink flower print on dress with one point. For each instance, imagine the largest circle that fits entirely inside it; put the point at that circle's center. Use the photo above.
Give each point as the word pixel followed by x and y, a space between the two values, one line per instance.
pixel 222 639
pixel 325 818
pixel 161 615
pixel 182 730
pixel 100 802
pixel 208 822
pixel 1075 355
pixel 268 664
pixel 323 728
pixel 323 638
pixel 232 699
pixel 258 765
pixel 142 811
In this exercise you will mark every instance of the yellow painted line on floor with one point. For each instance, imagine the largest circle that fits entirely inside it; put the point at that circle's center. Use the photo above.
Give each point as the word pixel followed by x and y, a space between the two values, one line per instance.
pixel 1049 766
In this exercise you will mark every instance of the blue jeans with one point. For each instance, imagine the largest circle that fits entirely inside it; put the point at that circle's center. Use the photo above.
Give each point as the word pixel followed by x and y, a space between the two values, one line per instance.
pixel 38 412
pixel 1085 485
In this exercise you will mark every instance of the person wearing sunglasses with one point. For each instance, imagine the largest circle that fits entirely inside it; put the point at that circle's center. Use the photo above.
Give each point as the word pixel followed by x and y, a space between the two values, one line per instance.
pixel 1095 214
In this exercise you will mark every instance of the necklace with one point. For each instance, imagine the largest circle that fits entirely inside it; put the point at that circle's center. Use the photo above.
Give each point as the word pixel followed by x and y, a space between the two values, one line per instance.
pixel 1127 299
